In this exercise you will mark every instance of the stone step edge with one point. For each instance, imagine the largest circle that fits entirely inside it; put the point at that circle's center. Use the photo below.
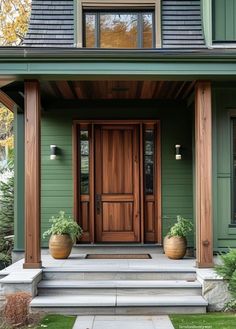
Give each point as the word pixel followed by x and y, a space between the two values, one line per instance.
pixel 102 284
pixel 117 301
pixel 112 269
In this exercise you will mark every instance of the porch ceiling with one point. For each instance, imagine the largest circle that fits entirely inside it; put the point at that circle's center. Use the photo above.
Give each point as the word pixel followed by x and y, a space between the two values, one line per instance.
pixel 74 90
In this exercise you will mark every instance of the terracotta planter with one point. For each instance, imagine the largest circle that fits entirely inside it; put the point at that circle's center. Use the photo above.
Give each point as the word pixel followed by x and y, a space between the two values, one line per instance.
pixel 175 247
pixel 60 246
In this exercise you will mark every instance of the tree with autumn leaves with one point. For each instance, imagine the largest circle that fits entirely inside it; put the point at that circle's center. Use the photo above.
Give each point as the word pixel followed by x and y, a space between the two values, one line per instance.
pixel 14 17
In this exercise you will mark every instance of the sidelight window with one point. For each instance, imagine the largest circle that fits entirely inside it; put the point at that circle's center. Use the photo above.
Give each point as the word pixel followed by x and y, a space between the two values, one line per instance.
pixel 84 162
pixel 149 151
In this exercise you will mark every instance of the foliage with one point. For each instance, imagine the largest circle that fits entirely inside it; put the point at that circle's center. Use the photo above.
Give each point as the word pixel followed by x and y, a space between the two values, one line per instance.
pixel 14 17
pixel 228 270
pixel 63 224
pixel 6 131
pixel 228 266
pixel 55 321
pixel 6 215
pixel 230 306
pixel 181 228
pixel 16 310
pixel 209 320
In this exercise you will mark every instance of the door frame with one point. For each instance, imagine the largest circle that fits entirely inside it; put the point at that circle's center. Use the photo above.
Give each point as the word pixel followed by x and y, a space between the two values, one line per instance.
pixel 78 198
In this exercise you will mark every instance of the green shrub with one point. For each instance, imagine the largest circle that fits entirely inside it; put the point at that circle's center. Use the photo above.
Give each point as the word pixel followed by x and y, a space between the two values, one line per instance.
pixel 63 224
pixel 228 272
pixel 181 228
pixel 6 214
pixel 228 266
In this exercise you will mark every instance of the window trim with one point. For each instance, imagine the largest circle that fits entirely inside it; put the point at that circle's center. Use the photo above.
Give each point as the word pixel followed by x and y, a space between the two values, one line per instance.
pixel 112 4
pixel 139 12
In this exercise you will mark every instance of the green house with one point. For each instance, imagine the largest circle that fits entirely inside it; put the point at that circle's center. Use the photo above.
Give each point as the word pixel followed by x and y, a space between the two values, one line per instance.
pixel 125 118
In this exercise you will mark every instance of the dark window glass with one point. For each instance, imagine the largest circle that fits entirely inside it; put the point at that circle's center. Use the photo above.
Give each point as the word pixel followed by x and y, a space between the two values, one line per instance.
pixel 84 162
pixel 119 29
pixel 149 152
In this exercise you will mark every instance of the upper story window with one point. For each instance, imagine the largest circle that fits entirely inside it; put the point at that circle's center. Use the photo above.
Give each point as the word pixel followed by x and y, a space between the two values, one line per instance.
pixel 119 28
pixel 223 21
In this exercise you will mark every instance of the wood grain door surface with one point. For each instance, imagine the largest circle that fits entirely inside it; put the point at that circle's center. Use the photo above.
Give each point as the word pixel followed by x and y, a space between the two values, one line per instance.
pixel 117 183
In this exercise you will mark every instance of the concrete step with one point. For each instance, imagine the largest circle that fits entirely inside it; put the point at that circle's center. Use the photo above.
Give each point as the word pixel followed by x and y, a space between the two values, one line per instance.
pixel 119 287
pixel 120 304
pixel 113 272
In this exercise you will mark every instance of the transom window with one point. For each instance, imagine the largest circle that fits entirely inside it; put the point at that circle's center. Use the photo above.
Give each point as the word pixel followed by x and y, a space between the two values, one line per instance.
pixel 119 29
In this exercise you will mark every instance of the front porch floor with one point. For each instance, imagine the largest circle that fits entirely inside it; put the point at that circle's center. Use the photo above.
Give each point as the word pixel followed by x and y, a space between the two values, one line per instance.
pixel 116 286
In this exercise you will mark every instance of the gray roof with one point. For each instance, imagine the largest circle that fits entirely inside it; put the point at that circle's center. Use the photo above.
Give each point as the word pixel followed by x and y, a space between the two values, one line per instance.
pixel 52 24
pixel 182 24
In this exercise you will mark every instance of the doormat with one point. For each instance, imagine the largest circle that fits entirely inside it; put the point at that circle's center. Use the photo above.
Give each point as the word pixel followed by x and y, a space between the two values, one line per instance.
pixel 118 256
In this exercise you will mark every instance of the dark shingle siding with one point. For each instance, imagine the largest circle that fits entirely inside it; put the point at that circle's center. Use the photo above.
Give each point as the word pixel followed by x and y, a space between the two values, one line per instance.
pixel 182 24
pixel 51 24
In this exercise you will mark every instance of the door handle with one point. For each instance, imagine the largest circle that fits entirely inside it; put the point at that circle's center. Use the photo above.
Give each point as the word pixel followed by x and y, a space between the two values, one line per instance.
pixel 98 204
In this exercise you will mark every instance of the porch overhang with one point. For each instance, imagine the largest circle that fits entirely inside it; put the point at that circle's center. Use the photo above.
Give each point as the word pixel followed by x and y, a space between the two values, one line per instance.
pixel 80 64
pixel 18 63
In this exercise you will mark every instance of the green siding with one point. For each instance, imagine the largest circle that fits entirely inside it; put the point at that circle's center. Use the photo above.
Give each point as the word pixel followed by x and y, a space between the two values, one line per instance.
pixel 224 20
pixel 224 104
pixel 176 127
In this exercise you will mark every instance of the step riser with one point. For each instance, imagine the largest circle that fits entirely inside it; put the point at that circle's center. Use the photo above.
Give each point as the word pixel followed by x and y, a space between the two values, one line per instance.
pixel 122 310
pixel 120 291
pixel 118 276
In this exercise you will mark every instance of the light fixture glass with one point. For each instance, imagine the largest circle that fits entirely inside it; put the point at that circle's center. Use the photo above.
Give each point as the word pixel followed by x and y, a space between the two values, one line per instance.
pixel 53 152
pixel 178 156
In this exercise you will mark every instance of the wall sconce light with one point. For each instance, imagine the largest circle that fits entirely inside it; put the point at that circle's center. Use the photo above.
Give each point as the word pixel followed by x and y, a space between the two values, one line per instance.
pixel 53 152
pixel 178 156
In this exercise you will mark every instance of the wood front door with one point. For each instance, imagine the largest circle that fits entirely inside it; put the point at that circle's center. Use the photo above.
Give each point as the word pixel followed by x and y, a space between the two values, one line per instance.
pixel 117 183
pixel 117 180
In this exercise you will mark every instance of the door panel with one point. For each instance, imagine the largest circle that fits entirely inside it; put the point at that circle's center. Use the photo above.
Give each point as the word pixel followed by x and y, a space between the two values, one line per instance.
pixel 117 187
pixel 117 160
pixel 117 217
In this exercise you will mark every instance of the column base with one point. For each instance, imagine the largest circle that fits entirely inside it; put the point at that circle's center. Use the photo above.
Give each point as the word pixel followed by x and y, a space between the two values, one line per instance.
pixel 32 265
pixel 204 265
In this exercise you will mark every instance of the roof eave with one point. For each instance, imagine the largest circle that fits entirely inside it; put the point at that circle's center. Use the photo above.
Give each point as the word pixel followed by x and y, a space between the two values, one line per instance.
pixel 42 54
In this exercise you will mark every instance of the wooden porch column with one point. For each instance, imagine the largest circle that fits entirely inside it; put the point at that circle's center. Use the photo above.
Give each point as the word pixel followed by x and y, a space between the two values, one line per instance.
pixel 32 175
pixel 203 144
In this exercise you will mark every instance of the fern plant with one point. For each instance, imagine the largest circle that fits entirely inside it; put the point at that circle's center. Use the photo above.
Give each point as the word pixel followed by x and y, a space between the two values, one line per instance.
pixel 228 270
pixel 6 214
pixel 63 224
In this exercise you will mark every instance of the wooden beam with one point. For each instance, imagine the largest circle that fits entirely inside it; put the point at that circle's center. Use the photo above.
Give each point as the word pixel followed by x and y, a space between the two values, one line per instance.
pixel 32 175
pixel 203 145
pixel 7 101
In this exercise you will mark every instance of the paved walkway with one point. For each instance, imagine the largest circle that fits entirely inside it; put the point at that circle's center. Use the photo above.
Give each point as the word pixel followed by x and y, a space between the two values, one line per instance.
pixel 123 322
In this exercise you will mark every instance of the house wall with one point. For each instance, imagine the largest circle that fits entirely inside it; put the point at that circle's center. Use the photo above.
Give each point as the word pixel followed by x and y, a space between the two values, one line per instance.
pixel 224 104
pixel 176 128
